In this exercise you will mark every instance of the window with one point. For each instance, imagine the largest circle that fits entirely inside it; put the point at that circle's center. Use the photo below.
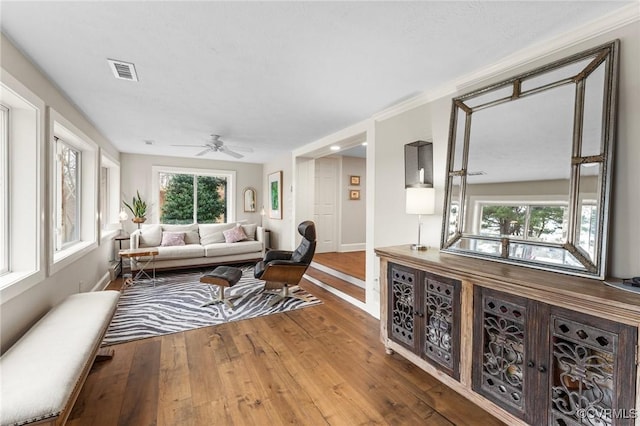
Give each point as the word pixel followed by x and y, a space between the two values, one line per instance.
pixel 22 179
pixel 4 190
pixel 67 195
pixel 194 196
pixel 525 222
pixel 104 196
pixel 74 193
pixel 109 195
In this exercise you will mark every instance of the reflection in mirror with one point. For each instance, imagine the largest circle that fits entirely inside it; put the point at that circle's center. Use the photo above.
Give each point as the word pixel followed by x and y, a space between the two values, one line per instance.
pixel 454 207
pixel 249 196
pixel 529 169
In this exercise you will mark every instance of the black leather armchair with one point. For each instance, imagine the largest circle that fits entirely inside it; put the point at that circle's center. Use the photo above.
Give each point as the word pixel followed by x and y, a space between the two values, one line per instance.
pixel 283 269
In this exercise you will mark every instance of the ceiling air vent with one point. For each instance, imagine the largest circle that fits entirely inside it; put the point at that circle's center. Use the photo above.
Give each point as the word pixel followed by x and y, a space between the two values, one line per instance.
pixel 123 70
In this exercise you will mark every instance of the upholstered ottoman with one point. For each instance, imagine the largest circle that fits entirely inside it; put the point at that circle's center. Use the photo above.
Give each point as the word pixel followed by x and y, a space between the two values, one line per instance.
pixel 222 276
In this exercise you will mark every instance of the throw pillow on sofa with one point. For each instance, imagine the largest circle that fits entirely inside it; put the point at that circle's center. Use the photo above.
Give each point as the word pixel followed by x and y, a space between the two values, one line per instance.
pixel 150 235
pixel 250 231
pixel 212 233
pixel 191 235
pixel 172 239
pixel 234 235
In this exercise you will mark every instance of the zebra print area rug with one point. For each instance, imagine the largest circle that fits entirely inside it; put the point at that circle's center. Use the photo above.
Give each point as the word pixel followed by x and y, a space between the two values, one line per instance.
pixel 173 305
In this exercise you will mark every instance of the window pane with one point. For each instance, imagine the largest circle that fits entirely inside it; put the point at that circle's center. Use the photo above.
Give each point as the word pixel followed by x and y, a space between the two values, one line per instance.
pixel 503 220
pixel 4 190
pixel 176 198
pixel 212 200
pixel 67 196
pixel 548 223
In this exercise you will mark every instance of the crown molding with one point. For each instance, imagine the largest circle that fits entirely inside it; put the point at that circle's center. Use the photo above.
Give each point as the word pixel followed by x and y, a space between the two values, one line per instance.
pixel 585 32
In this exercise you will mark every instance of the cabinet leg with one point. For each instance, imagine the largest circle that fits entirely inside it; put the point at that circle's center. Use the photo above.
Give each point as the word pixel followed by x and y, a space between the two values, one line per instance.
pixel 388 351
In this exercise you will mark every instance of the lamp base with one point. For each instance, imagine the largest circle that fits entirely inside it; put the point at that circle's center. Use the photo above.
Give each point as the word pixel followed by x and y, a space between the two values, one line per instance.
pixel 419 247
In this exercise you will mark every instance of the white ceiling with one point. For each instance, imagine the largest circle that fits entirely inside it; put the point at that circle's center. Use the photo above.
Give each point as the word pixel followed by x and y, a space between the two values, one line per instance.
pixel 271 76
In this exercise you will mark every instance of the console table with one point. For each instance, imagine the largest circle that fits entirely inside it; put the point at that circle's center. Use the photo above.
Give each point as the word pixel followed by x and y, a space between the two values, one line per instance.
pixel 529 346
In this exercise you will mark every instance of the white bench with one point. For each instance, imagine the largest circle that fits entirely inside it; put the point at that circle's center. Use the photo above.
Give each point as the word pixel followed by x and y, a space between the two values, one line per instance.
pixel 42 373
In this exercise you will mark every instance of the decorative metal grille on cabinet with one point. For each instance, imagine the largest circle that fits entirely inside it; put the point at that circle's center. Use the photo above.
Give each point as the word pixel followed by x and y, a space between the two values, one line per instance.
pixel 438 304
pixel 503 351
pixel 582 387
pixel 403 293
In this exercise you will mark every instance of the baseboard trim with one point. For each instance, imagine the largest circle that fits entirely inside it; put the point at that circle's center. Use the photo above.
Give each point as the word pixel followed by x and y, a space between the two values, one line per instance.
pixel 102 283
pixel 352 247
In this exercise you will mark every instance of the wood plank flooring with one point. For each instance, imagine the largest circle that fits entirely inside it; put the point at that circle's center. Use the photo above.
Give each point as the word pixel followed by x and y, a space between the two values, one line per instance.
pixel 322 365
pixel 335 282
pixel 350 263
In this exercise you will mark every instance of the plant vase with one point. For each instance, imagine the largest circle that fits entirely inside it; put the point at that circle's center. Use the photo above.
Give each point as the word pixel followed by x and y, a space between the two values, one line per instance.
pixel 138 220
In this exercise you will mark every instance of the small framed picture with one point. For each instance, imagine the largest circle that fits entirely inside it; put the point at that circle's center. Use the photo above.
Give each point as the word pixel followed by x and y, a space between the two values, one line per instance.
pixel 355 180
pixel 354 194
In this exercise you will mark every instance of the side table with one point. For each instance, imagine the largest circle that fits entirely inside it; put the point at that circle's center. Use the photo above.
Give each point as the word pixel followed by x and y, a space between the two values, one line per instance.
pixel 120 239
pixel 135 255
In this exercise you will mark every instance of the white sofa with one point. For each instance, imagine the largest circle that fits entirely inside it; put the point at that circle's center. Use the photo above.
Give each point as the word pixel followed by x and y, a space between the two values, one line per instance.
pixel 204 244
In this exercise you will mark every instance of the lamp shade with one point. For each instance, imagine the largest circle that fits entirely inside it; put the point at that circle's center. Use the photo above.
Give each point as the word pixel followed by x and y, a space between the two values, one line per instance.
pixel 421 200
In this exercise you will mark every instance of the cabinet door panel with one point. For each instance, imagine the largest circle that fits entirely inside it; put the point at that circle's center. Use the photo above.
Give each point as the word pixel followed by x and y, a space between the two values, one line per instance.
pixel 501 346
pixel 441 328
pixel 403 287
pixel 592 370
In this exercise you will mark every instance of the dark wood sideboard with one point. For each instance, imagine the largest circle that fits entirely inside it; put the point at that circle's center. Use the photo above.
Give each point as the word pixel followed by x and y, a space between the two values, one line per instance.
pixel 529 346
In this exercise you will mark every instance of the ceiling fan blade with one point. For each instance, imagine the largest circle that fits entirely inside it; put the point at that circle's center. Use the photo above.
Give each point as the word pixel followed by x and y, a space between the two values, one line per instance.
pixel 229 152
pixel 241 148
pixel 203 152
pixel 197 146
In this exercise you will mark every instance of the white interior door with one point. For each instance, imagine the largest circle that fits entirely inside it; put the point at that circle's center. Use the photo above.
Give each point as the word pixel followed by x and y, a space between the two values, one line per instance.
pixel 325 200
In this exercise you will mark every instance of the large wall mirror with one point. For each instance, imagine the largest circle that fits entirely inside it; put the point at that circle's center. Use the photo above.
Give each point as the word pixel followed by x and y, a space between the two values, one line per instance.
pixel 529 166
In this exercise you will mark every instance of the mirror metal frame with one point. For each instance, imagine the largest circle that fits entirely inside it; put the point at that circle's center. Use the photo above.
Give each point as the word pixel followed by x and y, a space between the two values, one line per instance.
pixel 591 268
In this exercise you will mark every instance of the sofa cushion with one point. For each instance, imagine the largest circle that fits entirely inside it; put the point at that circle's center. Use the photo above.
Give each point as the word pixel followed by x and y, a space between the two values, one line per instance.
pixel 191 235
pixel 180 252
pixel 172 239
pixel 250 230
pixel 234 235
pixel 150 235
pixel 224 249
pixel 211 233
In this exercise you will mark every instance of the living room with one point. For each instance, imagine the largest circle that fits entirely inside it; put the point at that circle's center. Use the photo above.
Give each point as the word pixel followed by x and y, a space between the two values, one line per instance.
pixel 39 278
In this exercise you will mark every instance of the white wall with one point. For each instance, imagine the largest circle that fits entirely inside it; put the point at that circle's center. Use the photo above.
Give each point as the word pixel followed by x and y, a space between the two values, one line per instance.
pixel 135 171
pixel 393 225
pixel 21 311
pixel 353 212
pixel 281 229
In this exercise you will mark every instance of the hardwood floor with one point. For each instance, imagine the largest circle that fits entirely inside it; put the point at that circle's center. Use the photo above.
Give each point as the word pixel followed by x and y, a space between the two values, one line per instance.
pixel 322 365
pixel 350 263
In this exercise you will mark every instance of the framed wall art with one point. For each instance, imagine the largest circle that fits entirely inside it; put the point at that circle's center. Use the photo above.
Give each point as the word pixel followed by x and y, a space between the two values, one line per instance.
pixel 275 195
pixel 354 180
pixel 354 194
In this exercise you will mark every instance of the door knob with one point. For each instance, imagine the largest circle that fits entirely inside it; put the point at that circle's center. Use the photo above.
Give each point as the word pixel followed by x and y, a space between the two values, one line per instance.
pixel 542 369
pixel 530 364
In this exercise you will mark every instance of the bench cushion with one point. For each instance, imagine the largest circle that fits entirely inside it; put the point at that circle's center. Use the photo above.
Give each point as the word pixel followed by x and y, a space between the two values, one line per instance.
pixel 41 370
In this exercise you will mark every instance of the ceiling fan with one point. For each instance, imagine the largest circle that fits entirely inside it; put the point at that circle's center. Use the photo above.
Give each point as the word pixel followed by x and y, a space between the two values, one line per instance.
pixel 217 145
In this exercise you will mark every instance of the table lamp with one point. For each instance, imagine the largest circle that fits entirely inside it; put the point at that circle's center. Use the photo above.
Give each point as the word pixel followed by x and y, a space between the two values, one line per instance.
pixel 420 201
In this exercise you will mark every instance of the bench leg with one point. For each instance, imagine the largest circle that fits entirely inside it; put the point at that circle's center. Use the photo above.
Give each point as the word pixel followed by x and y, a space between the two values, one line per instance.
pixel 104 354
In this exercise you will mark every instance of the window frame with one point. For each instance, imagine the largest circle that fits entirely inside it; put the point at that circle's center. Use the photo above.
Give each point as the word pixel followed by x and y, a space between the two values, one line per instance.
pixel 230 175
pixel 63 129
pixel 109 215
pixel 26 156
pixel 5 259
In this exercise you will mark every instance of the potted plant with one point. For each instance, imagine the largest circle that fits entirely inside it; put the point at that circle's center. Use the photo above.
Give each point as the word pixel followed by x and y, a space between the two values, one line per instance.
pixel 138 209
